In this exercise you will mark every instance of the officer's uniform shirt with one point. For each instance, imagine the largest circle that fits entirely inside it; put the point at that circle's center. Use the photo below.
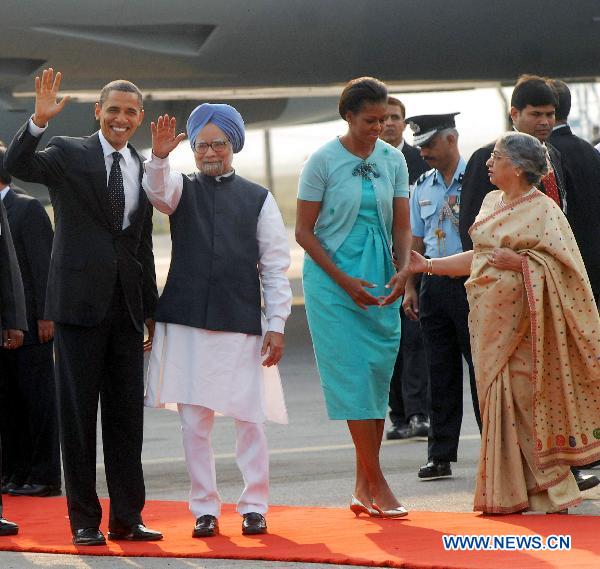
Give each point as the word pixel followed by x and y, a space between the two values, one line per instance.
pixel 434 210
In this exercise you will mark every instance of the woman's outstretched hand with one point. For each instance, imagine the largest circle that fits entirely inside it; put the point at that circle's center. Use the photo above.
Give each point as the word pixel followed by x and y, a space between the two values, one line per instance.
pixel 418 263
pixel 355 288
pixel 397 284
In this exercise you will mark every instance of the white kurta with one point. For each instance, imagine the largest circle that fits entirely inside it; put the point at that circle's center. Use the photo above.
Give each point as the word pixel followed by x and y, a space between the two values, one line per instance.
pixel 221 370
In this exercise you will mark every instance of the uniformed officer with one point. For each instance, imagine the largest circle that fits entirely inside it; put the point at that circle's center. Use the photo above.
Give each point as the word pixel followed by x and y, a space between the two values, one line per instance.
pixel 441 306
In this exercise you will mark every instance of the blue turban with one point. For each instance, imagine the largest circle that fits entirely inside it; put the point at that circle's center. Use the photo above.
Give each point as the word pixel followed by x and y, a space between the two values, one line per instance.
pixel 221 115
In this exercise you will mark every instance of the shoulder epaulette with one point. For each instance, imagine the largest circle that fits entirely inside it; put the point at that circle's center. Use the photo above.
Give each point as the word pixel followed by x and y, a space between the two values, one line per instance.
pixel 424 176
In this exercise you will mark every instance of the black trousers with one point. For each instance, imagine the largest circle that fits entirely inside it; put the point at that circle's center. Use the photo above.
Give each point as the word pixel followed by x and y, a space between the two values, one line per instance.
pixel 409 384
pixel 443 312
pixel 106 362
pixel 28 415
pixel 1 474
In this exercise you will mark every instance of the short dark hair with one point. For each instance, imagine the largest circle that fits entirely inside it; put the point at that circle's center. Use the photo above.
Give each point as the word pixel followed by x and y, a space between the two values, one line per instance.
pixel 532 90
pixel 397 103
pixel 563 96
pixel 120 85
pixel 360 91
pixel 5 176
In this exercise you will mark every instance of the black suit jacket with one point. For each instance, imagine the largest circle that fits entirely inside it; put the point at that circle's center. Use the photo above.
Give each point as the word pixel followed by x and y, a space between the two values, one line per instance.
pixel 12 298
pixel 476 184
pixel 88 255
pixel 416 165
pixel 582 170
pixel 32 236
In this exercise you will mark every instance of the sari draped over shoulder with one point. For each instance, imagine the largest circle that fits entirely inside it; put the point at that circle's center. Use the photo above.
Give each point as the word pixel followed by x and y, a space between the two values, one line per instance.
pixel 535 339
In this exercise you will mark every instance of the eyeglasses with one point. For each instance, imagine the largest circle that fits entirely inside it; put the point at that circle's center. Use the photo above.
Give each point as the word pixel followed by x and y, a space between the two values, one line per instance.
pixel 495 155
pixel 217 146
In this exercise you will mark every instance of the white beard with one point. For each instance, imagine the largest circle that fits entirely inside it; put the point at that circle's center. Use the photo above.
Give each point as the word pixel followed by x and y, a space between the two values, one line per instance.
pixel 212 168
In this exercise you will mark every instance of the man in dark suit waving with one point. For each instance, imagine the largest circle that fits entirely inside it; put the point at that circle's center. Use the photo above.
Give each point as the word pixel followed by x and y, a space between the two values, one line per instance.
pixel 101 287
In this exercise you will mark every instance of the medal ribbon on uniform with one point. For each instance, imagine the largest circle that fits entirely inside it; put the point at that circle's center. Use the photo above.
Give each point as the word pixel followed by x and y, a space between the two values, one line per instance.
pixel 446 212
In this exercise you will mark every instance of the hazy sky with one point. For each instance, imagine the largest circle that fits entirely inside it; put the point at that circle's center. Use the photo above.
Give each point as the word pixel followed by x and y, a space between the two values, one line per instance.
pixel 480 121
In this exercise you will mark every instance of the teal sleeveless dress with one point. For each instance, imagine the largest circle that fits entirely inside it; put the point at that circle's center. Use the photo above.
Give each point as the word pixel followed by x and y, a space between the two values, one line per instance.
pixel 355 349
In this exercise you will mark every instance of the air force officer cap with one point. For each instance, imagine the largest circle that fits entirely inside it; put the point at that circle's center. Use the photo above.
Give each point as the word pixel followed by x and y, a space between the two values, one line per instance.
pixel 425 127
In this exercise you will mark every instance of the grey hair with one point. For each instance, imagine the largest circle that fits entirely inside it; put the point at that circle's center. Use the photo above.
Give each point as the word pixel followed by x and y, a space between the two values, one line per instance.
pixel 448 131
pixel 526 152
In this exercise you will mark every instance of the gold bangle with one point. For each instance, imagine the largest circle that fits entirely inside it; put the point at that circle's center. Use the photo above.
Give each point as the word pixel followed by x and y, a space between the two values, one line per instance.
pixel 430 267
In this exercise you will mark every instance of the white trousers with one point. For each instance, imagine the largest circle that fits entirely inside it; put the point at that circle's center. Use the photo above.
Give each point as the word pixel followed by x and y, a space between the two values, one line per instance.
pixel 252 457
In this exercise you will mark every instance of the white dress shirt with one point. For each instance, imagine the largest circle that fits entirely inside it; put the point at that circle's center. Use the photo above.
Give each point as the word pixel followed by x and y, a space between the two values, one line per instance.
pixel 130 168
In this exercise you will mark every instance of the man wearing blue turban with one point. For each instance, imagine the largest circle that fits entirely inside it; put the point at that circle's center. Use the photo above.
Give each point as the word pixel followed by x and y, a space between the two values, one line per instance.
pixel 228 243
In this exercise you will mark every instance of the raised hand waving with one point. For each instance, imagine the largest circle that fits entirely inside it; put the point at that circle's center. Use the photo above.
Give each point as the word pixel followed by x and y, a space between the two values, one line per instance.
pixel 164 139
pixel 47 105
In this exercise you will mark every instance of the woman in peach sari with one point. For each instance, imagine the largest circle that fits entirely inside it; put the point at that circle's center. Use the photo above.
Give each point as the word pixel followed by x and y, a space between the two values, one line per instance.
pixel 535 338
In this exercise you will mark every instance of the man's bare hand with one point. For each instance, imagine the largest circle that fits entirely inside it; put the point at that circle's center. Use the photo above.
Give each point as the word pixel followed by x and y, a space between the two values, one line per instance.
pixel 12 339
pixel 410 303
pixel 151 325
pixel 164 139
pixel 45 330
pixel 273 344
pixel 47 105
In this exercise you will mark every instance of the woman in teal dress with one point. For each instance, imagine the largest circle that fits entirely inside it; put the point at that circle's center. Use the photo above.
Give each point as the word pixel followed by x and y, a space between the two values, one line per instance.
pixel 352 207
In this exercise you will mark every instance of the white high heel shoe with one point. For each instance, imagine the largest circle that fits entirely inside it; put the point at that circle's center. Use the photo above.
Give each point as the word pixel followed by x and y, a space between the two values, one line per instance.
pixel 398 512
pixel 358 508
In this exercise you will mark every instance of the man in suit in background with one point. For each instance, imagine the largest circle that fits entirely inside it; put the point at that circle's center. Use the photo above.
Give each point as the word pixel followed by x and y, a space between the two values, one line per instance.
pixel 13 321
pixel 409 408
pixel 533 106
pixel 28 414
pixel 101 287
pixel 582 166
pixel 393 133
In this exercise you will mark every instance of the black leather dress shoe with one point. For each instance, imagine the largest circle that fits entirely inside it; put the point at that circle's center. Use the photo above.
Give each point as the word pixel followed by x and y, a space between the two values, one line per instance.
pixel 137 532
pixel 38 490
pixel 254 524
pixel 584 481
pixel 397 432
pixel 88 536
pixel 6 488
pixel 206 526
pixel 435 469
pixel 418 426
pixel 8 528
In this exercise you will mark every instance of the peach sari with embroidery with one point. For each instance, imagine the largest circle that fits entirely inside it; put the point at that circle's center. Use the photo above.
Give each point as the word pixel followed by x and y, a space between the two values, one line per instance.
pixel 535 340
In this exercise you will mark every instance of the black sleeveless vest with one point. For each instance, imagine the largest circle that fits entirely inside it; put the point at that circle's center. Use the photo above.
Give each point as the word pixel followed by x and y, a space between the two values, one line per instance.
pixel 213 281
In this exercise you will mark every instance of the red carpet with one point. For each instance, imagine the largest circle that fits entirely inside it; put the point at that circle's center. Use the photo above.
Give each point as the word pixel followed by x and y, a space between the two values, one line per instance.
pixel 324 535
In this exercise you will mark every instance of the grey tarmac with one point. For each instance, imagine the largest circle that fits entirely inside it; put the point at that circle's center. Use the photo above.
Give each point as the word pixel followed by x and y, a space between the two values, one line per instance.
pixel 312 462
